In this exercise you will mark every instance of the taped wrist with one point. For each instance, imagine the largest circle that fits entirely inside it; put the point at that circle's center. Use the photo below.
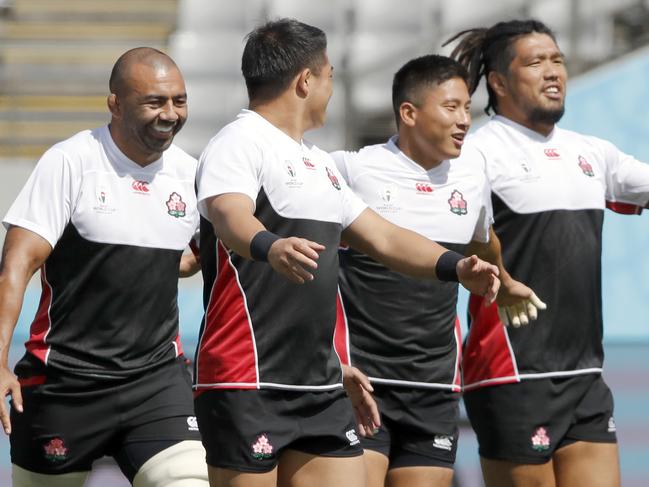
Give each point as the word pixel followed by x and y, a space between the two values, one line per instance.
pixel 260 245
pixel 446 267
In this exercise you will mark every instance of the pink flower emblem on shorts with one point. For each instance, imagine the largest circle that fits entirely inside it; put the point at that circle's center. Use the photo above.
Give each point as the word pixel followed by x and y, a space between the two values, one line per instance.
pixel 541 440
pixel 55 450
pixel 262 448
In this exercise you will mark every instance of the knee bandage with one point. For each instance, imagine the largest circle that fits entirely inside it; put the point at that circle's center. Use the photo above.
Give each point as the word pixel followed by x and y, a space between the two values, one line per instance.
pixel 180 465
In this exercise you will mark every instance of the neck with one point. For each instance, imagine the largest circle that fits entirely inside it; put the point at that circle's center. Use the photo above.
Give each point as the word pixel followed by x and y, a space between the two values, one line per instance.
pixel 420 155
pixel 122 142
pixel 542 128
pixel 284 114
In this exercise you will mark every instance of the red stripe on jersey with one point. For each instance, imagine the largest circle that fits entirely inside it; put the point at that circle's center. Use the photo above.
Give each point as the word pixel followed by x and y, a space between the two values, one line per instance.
pixel 179 346
pixel 624 208
pixel 487 355
pixel 227 349
pixel 36 380
pixel 341 332
pixel 41 325
pixel 457 382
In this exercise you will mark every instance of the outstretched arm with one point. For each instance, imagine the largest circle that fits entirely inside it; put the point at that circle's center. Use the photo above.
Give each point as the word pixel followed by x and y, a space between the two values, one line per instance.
pixel 410 253
pixel 517 303
pixel 24 252
pixel 232 215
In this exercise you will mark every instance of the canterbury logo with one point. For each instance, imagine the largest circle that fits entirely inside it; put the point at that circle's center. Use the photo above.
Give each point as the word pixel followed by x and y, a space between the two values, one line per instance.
pixel 423 188
pixel 140 186
pixel 551 153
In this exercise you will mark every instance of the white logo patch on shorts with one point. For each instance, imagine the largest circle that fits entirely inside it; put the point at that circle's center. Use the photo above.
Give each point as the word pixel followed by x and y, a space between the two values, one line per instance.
pixel 443 442
pixel 352 437
pixel 611 425
pixel 192 423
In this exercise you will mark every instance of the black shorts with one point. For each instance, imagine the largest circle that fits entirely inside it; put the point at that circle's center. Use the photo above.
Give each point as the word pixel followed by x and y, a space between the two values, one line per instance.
pixel 418 426
pixel 69 422
pixel 528 421
pixel 247 430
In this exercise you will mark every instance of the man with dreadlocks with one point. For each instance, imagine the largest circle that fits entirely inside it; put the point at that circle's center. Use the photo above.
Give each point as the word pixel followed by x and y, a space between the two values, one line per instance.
pixel 549 191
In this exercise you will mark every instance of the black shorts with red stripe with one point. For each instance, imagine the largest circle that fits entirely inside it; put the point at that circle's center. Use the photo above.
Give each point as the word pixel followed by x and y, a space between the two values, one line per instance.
pixel 247 430
pixel 69 422
pixel 527 422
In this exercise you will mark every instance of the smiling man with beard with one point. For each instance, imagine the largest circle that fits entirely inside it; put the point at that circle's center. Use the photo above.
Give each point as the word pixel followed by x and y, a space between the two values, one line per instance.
pixel 105 216
pixel 535 396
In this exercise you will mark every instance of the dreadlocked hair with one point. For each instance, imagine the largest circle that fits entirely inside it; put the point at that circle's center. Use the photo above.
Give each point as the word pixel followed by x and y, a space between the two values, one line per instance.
pixel 484 50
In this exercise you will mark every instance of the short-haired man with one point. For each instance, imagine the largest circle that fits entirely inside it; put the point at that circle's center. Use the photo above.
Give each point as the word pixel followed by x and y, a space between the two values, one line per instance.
pixel 105 216
pixel 267 375
pixel 403 331
pixel 535 396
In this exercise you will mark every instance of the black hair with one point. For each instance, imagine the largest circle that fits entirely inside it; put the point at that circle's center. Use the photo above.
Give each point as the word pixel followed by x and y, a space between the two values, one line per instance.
pixel 276 52
pixel 485 50
pixel 423 72
pixel 136 55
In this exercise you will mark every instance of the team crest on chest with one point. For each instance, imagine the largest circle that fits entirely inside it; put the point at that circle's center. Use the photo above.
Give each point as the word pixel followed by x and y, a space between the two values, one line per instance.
pixel 175 205
pixel 585 167
pixel 55 450
pixel 333 179
pixel 457 203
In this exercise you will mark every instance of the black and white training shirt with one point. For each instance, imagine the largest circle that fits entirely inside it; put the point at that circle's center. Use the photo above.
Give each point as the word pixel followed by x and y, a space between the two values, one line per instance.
pixel 259 329
pixel 549 196
pixel 108 306
pixel 403 330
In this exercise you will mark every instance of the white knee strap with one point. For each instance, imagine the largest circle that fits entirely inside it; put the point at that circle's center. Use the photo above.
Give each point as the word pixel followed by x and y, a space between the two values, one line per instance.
pixel 180 465
pixel 24 478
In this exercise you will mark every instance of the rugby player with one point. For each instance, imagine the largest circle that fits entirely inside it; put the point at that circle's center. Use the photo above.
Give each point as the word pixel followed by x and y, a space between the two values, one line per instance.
pixel 535 396
pixel 105 216
pixel 270 402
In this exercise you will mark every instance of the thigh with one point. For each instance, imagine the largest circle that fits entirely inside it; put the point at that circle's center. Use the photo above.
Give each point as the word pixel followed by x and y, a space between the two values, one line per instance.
pixel 223 477
pixel 416 476
pixel 587 464
pixel 500 473
pixel 299 469
pixel 61 430
pixel 376 468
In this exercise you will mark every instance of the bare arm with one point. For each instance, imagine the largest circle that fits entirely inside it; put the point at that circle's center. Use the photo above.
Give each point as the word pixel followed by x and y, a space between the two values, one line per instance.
pixel 24 252
pixel 410 253
pixel 232 215
pixel 190 264
pixel 517 303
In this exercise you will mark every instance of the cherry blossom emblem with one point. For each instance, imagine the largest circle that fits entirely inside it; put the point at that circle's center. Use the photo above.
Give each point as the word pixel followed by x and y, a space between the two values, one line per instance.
pixel 55 450
pixel 175 205
pixel 262 448
pixel 541 440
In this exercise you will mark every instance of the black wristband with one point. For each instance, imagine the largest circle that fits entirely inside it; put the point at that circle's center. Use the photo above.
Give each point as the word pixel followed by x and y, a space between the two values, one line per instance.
pixel 260 245
pixel 446 267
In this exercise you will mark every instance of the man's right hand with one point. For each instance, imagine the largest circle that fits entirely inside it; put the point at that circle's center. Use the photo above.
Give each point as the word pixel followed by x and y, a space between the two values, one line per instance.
pixel 9 386
pixel 294 257
pixel 479 277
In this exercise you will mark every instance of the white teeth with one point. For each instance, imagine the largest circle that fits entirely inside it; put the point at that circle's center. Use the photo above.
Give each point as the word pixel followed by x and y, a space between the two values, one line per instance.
pixel 552 89
pixel 165 129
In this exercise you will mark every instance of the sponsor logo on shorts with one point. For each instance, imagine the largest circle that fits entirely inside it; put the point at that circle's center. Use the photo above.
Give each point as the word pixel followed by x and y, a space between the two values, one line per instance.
pixel 192 423
pixel 262 449
pixel 352 437
pixel 333 179
pixel 540 440
pixel 175 205
pixel 443 442
pixel 585 167
pixel 457 203
pixel 611 425
pixel 55 450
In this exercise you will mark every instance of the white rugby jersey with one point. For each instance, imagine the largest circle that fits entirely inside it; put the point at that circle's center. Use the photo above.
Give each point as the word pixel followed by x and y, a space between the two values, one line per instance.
pixel 259 329
pixel 403 330
pixel 109 288
pixel 549 196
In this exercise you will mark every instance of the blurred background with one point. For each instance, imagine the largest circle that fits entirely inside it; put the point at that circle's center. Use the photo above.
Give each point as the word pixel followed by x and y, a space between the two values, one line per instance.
pixel 56 57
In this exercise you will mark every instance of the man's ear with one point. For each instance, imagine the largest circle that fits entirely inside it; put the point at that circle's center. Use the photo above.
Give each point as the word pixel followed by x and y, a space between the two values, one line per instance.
pixel 408 114
pixel 113 105
pixel 497 83
pixel 302 82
